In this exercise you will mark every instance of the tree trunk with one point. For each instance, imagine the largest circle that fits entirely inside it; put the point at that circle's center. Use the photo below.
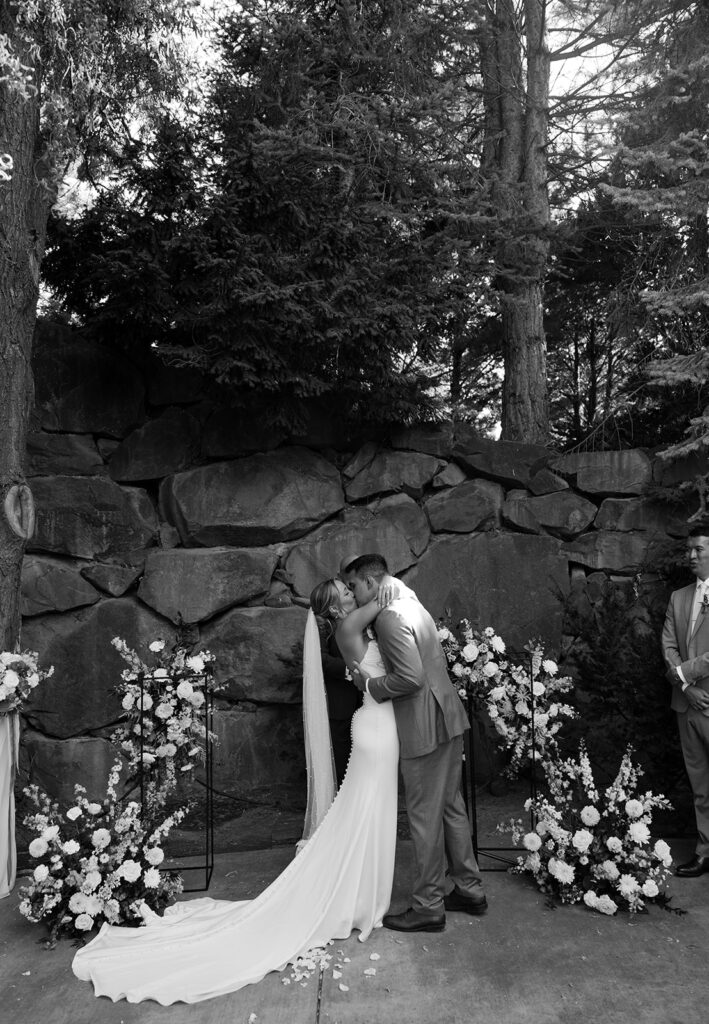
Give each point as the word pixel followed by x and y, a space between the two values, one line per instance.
pixel 515 162
pixel 23 220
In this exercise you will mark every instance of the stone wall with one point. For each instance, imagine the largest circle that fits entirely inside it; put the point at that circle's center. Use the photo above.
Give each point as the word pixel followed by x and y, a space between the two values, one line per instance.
pixel 157 506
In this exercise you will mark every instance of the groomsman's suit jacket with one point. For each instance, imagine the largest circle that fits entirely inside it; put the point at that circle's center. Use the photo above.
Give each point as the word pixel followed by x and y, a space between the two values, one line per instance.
pixel 427 709
pixel 690 653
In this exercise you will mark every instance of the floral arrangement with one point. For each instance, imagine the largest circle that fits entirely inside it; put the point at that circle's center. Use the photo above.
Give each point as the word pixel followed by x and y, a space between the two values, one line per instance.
pixel 164 730
pixel 594 847
pixel 95 862
pixel 19 675
pixel 521 702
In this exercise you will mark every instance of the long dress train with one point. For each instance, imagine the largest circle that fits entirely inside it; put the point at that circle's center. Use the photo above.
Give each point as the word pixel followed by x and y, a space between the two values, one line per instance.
pixel 341 881
pixel 9 742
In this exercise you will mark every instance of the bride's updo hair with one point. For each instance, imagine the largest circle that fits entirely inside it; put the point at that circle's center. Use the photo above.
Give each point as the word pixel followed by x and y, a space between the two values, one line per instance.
pixel 322 598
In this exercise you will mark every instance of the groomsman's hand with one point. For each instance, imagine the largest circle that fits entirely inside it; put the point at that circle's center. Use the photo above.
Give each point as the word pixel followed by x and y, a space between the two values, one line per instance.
pixel 698 699
pixel 357 678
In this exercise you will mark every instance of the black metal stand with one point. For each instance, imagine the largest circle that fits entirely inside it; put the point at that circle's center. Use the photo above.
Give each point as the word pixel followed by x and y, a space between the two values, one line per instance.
pixel 204 859
pixel 495 853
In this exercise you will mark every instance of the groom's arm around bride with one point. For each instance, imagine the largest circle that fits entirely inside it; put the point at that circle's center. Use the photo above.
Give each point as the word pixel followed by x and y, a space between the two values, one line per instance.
pixel 430 721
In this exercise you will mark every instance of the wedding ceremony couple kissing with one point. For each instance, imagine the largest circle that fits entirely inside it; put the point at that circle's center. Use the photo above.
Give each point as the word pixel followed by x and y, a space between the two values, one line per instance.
pixel 340 880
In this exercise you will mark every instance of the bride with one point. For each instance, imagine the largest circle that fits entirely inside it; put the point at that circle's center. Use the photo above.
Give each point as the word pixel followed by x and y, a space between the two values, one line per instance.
pixel 339 882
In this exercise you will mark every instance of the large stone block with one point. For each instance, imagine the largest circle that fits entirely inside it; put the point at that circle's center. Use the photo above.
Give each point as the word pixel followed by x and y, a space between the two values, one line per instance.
pixel 356 532
pixel 450 476
pixel 389 471
pixel 57 765
pixel 624 472
pixel 259 755
pixel 607 549
pixel 512 581
pixel 68 454
pixel 469 506
pixel 546 482
pixel 627 514
pixel 193 584
pixel 112 579
pixel 254 501
pixel 230 432
pixel 82 387
pixel 360 460
pixel 91 517
pixel 52 585
pixel 517 515
pixel 80 695
pixel 430 438
pixel 259 651
pixel 160 447
pixel 512 463
pixel 407 516
pixel 564 514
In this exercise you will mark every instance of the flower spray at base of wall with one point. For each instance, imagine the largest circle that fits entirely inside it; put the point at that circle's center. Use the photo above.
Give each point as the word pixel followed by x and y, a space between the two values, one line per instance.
pixel 593 846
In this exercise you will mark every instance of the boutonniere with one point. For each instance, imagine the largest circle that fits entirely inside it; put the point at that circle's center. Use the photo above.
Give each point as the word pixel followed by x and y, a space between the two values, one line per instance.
pixel 704 607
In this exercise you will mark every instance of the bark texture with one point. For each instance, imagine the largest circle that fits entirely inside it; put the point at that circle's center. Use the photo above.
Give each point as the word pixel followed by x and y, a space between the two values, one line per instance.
pixel 516 92
pixel 23 219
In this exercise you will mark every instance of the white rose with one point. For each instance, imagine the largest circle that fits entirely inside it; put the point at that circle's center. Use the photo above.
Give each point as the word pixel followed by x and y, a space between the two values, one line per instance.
pixel 538 689
pixel 170 750
pixel 73 813
pixel 590 816
pixel 490 669
pixel 550 667
pixel 444 634
pixel 160 673
pixel 148 758
pixel 521 708
pixel 195 663
pixel 532 842
pixel 493 713
pixel 184 690
pixel 650 888
pixel 197 699
pixel 130 870
pixel 498 644
pixel 70 846
pixel 662 850
pixel 94 808
pixel 146 702
pixel 590 899
pixel 156 646
pixel 51 832
pixel 497 692
pixel 92 880
pixel 151 878
pixel 11 680
pixel 582 840
pixel 101 838
pixel 470 652
pixel 84 923
pixel 38 848
pixel 163 711
pixel 154 856
pixel 128 702
pixel 614 844
pixel 40 872
pixel 458 670
pixel 606 905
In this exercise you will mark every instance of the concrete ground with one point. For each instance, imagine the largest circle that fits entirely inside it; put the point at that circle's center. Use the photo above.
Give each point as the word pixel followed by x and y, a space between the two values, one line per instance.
pixel 520 964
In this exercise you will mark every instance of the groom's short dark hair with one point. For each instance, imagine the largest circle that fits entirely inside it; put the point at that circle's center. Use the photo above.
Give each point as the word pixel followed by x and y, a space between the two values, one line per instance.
pixel 699 529
pixel 369 565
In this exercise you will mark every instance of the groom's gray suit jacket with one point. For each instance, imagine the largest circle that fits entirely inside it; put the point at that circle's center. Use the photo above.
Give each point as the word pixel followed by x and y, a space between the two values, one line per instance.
pixel 427 708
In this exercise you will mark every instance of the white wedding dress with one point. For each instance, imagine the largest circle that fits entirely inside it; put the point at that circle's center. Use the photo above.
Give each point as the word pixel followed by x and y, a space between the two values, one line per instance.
pixel 341 881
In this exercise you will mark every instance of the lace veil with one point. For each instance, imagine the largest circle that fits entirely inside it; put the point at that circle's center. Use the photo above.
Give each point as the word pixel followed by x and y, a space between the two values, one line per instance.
pixel 316 728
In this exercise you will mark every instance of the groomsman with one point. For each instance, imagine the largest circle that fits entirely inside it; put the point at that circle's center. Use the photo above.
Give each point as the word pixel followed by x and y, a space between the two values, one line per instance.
pixel 685 645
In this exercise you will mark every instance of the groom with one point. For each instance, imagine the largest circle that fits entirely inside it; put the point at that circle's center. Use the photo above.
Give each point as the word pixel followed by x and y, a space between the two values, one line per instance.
pixel 430 720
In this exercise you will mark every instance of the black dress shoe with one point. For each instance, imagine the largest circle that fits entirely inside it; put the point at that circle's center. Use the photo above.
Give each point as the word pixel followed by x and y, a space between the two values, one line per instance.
pixel 693 868
pixel 456 901
pixel 412 921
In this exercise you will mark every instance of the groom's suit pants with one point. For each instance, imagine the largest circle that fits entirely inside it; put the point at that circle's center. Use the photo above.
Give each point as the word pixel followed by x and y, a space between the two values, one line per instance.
pixel 439 826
